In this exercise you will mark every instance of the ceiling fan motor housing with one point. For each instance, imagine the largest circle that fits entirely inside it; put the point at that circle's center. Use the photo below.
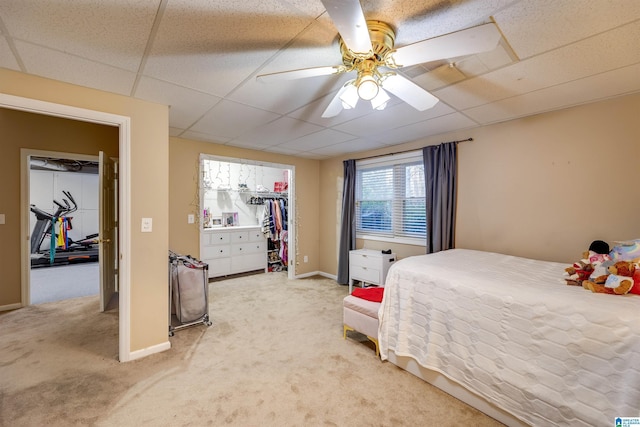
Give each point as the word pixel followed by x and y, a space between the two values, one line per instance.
pixel 382 41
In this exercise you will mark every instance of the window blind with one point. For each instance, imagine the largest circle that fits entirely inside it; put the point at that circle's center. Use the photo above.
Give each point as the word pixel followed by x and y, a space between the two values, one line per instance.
pixel 390 197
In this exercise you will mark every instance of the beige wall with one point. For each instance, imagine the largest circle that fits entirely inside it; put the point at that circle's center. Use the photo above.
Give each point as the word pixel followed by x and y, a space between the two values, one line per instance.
pixel 184 158
pixel 541 187
pixel 149 198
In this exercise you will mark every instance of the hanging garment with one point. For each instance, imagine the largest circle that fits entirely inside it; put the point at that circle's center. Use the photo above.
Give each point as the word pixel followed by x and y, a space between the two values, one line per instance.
pixel 284 252
pixel 283 210
pixel 278 217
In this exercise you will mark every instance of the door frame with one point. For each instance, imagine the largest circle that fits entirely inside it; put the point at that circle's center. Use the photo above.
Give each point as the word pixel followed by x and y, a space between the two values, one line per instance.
pixel 123 123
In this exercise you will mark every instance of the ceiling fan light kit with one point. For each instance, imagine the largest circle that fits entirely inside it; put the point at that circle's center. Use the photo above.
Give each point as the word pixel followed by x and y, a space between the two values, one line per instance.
pixel 367 47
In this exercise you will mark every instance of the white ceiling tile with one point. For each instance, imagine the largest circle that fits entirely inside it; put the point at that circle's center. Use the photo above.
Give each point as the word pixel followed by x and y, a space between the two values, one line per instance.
pixel 112 32
pixel 73 69
pixel 352 146
pixel 426 128
pixel 7 59
pixel 274 133
pixel 616 82
pixel 207 137
pixel 316 140
pixel 601 53
pixel 533 27
pixel 444 75
pixel 186 105
pixel 223 41
pixel 229 119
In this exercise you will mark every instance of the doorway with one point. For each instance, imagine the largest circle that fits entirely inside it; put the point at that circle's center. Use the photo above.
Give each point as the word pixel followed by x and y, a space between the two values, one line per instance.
pixel 123 124
pixel 64 220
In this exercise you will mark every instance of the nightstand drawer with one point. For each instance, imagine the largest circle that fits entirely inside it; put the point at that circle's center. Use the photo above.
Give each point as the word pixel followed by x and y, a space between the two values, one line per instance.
pixel 365 274
pixel 366 261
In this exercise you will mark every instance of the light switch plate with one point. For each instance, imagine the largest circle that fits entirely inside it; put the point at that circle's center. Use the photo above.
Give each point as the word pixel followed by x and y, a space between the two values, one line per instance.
pixel 191 219
pixel 147 225
pixel 1 219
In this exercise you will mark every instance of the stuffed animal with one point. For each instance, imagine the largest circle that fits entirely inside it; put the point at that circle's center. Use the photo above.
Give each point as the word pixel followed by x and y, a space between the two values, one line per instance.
pixel 618 281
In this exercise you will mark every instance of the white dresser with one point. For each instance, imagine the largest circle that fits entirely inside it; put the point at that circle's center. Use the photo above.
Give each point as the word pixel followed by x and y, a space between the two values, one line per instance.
pixel 369 266
pixel 233 250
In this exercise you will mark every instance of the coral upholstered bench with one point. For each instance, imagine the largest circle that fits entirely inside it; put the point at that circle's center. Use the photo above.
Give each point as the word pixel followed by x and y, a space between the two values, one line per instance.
pixel 360 313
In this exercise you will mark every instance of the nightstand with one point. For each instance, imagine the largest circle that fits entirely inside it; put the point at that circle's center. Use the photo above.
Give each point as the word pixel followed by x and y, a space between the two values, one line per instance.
pixel 369 267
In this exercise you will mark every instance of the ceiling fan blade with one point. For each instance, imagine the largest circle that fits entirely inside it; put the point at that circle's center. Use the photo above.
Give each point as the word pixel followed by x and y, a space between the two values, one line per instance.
pixel 335 106
pixel 465 42
pixel 349 19
pixel 409 92
pixel 301 73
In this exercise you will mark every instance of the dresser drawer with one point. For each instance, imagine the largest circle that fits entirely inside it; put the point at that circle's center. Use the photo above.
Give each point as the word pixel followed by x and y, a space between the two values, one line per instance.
pixel 239 236
pixel 256 236
pixel 221 251
pixel 216 239
pixel 248 248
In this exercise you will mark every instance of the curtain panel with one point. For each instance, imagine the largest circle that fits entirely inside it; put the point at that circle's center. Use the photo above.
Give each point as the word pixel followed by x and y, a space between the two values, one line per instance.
pixel 440 174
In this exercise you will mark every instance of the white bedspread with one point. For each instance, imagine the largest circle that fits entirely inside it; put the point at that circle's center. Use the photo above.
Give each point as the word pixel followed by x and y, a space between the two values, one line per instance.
pixel 511 330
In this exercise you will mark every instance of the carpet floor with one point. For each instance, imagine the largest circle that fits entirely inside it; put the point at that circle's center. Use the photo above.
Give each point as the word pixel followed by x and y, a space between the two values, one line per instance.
pixel 274 356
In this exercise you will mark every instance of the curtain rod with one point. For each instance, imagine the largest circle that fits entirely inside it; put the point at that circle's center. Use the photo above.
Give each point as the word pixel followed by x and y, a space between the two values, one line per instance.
pixel 415 149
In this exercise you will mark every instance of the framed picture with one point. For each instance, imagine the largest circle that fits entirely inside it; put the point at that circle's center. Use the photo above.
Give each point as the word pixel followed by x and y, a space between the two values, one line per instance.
pixel 229 219
pixel 216 221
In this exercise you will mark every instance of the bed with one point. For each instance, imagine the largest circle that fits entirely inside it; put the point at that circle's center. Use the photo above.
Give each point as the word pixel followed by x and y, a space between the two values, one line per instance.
pixel 508 336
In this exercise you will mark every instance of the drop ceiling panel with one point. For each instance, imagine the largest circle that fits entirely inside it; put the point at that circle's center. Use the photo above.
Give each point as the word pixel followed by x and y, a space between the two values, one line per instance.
pixel 73 69
pixel 208 137
pixel 617 82
pixel 110 32
pixel 533 27
pixel 7 59
pixel 281 130
pixel 426 128
pixel 186 105
pixel 223 42
pixel 601 53
pixel 229 119
pixel 317 140
pixel 352 146
pixel 419 20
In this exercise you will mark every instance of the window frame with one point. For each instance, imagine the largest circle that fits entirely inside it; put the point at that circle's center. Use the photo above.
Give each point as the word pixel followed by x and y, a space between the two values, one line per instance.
pixel 393 160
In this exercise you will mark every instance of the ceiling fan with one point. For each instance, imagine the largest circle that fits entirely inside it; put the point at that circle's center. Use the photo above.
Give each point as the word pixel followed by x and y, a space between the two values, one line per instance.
pixel 367 47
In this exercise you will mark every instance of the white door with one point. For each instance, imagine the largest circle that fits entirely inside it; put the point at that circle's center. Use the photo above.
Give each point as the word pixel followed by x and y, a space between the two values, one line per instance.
pixel 108 223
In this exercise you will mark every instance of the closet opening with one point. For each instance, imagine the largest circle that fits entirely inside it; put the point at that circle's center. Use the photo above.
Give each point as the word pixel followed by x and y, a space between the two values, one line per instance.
pixel 246 216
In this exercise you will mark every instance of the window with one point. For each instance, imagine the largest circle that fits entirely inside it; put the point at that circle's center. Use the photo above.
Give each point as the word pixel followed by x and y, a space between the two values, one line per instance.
pixel 390 199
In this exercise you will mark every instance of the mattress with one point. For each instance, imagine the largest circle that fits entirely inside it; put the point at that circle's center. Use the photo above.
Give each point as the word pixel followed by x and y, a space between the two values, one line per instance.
pixel 510 330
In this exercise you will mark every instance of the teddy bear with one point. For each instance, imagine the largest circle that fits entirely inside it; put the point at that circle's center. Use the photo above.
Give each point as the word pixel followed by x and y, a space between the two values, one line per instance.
pixel 619 279
pixel 592 259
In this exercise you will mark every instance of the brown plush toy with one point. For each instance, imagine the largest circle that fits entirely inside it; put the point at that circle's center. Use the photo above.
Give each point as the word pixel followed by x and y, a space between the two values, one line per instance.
pixel 619 281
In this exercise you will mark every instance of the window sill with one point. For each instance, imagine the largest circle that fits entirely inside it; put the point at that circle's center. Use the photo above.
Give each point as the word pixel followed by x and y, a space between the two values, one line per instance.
pixel 397 240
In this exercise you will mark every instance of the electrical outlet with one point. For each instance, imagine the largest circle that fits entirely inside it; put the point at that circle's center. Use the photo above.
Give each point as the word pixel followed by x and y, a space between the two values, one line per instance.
pixel 191 219
pixel 306 258
pixel 1 218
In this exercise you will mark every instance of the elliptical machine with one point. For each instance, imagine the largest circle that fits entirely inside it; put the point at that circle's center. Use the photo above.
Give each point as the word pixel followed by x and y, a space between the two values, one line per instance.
pixel 84 250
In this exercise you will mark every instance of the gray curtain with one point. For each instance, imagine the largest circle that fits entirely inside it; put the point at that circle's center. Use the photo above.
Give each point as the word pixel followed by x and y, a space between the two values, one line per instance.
pixel 440 175
pixel 348 223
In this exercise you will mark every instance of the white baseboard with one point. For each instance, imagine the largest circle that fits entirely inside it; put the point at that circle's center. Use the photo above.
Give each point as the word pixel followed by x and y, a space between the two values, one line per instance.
pixel 316 273
pixel 138 354
pixel 10 307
